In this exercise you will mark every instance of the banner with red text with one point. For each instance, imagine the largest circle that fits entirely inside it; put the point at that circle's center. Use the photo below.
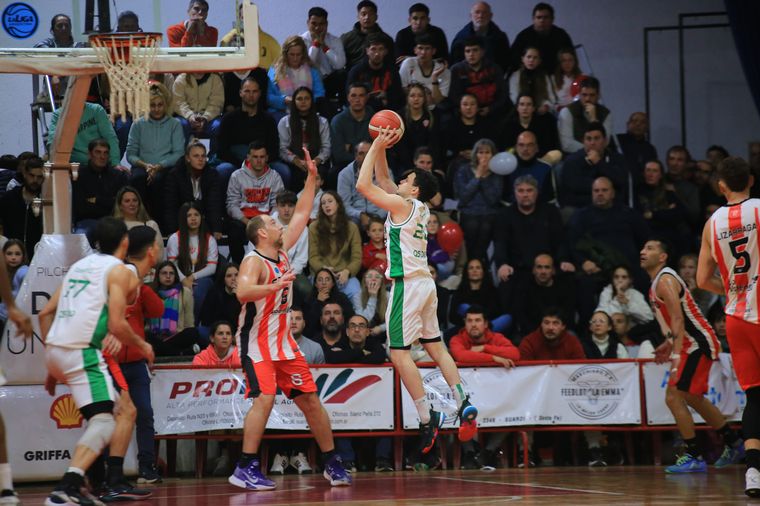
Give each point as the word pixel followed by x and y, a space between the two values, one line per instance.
pixel 192 400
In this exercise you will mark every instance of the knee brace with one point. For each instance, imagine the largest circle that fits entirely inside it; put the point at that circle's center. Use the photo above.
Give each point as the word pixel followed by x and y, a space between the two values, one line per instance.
pixel 751 416
pixel 98 433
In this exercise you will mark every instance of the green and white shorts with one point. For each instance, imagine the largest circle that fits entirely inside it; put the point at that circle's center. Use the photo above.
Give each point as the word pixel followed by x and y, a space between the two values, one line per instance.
pixel 84 371
pixel 412 311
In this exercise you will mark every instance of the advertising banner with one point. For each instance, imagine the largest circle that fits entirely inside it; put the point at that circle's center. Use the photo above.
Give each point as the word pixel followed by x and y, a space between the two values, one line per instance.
pixel 23 360
pixel 572 394
pixel 723 391
pixel 42 432
pixel 192 400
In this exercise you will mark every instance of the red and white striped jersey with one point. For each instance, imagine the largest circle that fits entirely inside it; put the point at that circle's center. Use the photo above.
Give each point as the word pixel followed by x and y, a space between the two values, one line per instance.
pixel 264 325
pixel 735 250
pixel 698 333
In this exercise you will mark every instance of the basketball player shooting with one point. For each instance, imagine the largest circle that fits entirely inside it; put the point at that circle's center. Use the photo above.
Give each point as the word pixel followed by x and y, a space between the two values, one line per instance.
pixel 411 312
pixel 729 244
pixel 269 354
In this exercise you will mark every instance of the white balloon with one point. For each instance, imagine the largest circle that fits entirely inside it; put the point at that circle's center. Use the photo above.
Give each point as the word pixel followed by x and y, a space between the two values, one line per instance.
pixel 503 164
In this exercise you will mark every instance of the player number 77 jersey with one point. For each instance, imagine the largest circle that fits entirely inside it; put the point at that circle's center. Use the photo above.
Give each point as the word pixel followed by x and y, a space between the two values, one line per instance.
pixel 733 233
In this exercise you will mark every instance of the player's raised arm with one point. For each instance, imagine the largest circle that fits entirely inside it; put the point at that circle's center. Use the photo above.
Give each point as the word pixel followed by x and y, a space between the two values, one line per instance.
pixel 706 278
pixel 303 207
pixel 120 282
pixel 249 286
pixel 393 203
pixel 382 173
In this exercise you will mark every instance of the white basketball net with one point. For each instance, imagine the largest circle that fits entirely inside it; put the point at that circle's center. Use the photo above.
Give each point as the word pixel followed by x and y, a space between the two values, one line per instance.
pixel 128 69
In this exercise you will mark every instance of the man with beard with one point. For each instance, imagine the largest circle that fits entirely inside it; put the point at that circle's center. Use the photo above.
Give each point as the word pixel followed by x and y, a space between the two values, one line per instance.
pixel 16 215
pixel 271 358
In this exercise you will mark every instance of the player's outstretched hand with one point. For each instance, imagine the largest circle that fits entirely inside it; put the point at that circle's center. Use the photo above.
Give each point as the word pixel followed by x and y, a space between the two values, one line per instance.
pixel 147 351
pixel 21 320
pixel 662 352
pixel 311 165
pixel 387 137
pixel 286 279
pixel 50 383
pixel 111 345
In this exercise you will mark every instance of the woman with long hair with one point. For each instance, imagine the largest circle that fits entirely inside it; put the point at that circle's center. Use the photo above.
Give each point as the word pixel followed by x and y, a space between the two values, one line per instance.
pixel 154 145
pixel 477 288
pixel 335 243
pixel 129 207
pixel 478 191
pixel 325 290
pixel 221 301
pixel 565 74
pixel 16 263
pixel 621 297
pixel 372 301
pixel 421 127
pixel 194 251
pixel 524 118
pixel 174 333
pixel 291 70
pixel 303 127
pixel 532 80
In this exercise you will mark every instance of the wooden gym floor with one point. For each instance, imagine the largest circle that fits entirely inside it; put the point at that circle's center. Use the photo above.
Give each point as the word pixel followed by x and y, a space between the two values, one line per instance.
pixel 618 486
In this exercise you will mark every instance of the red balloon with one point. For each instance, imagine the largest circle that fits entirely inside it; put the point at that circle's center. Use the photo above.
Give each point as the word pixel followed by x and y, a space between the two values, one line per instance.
pixel 575 88
pixel 450 236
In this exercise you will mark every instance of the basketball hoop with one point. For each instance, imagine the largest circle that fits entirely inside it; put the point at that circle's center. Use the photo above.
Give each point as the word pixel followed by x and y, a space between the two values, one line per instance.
pixel 127 59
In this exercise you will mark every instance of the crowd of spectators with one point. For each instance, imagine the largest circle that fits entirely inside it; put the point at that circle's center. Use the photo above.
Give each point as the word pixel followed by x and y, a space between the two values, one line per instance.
pixel 549 266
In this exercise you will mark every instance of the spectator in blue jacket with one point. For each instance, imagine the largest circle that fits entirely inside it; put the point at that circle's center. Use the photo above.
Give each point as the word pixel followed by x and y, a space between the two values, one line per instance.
pixel 290 71
pixel 478 191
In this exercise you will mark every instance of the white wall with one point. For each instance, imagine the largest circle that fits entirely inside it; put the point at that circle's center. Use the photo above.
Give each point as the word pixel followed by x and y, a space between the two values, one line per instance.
pixel 719 107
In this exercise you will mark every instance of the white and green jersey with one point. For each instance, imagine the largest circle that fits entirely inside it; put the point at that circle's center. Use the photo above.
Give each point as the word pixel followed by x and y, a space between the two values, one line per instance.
pixel 81 320
pixel 406 244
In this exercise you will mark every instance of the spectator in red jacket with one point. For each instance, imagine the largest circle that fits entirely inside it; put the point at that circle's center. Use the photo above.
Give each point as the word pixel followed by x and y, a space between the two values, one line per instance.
pixel 551 340
pixel 373 251
pixel 221 352
pixel 476 343
pixel 194 31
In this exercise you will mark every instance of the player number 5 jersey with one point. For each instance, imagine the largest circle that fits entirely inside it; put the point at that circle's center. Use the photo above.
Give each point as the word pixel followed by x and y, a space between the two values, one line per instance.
pixel 735 250
pixel 406 244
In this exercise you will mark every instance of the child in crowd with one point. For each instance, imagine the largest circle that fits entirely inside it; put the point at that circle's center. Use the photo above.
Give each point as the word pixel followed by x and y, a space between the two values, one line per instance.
pixel 174 333
pixel 373 251
pixel 194 251
pixel 16 263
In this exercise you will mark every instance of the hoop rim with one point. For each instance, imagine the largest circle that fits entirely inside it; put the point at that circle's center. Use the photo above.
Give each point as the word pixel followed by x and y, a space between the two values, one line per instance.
pixel 122 39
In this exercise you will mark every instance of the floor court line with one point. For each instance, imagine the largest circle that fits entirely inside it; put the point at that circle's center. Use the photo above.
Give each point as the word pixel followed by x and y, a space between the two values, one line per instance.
pixel 530 485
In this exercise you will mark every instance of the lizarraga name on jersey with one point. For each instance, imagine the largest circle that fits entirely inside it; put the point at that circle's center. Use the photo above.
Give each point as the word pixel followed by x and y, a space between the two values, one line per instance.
pixel 728 234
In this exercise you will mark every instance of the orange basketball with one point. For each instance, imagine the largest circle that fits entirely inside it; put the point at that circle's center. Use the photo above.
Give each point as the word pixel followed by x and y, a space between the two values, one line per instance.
pixel 385 119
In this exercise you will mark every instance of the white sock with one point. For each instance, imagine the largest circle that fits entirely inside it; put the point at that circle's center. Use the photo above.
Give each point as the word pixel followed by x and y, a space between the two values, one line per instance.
pixel 459 394
pixel 6 480
pixel 76 470
pixel 423 409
